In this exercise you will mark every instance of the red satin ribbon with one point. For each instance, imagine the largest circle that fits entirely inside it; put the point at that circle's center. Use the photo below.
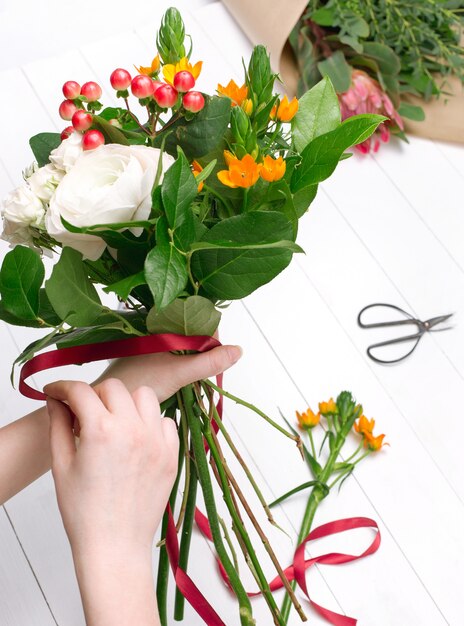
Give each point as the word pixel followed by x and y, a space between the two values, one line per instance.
pixel 77 355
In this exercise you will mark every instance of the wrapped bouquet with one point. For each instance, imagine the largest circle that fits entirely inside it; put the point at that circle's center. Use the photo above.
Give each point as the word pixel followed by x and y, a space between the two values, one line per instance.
pixel 176 202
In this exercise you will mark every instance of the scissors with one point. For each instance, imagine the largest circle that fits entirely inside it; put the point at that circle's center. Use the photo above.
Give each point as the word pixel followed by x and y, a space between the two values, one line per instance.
pixel 422 328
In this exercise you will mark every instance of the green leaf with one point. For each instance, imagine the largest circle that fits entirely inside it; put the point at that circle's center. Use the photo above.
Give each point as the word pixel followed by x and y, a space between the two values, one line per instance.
pixel 165 274
pixel 123 287
pixel 318 113
pixel 110 132
pixel 231 245
pixel 42 144
pixel 310 483
pixel 303 198
pixel 320 157
pixel 338 70
pixel 230 274
pixel 83 336
pixel 355 25
pixel 412 112
pixel 386 59
pixel 71 293
pixel 194 315
pixel 178 190
pixel 323 16
pixel 21 277
pixel 206 171
pixel 203 133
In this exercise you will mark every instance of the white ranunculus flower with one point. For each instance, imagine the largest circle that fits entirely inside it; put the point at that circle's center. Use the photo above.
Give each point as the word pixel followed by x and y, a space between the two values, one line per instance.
pixel 44 181
pixel 110 184
pixel 70 149
pixel 21 209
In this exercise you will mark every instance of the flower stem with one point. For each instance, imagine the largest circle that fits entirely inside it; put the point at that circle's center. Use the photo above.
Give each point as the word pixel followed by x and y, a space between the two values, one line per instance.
pixel 195 427
pixel 186 539
pixel 253 408
pixel 163 561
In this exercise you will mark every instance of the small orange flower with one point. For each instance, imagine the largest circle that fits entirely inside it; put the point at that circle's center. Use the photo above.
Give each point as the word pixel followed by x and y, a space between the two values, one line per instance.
pixel 374 443
pixel 328 408
pixel 364 426
pixel 196 169
pixel 241 173
pixel 308 419
pixel 272 169
pixel 234 92
pixel 150 71
pixel 285 111
pixel 171 69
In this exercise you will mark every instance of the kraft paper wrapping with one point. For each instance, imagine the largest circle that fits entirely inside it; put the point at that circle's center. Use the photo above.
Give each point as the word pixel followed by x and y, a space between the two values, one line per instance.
pixel 270 22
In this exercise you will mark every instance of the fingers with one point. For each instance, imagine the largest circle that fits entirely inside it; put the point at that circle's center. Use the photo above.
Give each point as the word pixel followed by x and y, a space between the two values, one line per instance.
pixel 81 398
pixel 188 369
pixel 116 398
pixel 147 406
pixel 62 444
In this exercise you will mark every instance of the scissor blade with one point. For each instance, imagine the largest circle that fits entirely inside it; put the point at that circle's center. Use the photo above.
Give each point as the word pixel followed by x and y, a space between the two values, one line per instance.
pixel 433 321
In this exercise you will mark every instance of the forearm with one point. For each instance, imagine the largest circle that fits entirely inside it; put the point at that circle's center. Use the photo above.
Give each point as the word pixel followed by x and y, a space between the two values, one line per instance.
pixel 117 587
pixel 24 452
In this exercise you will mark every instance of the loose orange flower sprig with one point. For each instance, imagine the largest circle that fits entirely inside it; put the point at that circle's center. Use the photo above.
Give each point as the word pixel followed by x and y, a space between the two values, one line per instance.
pixel 327 467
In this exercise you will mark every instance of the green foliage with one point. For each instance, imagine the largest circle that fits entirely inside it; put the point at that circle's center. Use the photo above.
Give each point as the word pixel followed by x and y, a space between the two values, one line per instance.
pixel 111 133
pixel 71 293
pixel 178 191
pixel 320 157
pixel 21 278
pixel 201 134
pixel 337 69
pixel 42 144
pixel 248 251
pixel 318 113
pixel 165 274
pixel 194 315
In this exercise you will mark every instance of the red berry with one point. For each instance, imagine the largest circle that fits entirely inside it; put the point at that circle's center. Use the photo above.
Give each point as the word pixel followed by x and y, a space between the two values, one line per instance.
pixel 71 89
pixel 67 132
pixel 120 79
pixel 92 139
pixel 81 120
pixel 92 91
pixel 156 84
pixel 165 96
pixel 142 86
pixel 183 81
pixel 193 101
pixel 67 109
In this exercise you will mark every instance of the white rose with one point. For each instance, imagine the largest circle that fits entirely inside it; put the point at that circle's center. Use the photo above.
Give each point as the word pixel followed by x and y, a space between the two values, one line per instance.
pixel 44 181
pixel 110 184
pixel 70 149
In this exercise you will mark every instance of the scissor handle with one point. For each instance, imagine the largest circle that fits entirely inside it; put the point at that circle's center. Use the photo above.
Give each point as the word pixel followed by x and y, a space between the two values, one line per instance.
pixel 390 342
pixel 410 320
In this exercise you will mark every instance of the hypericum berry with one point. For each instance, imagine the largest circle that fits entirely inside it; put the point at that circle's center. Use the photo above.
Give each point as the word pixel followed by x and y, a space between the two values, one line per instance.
pixel 67 109
pixel 92 91
pixel 67 132
pixel 92 139
pixel 165 96
pixel 114 122
pixel 81 120
pixel 193 101
pixel 184 81
pixel 120 79
pixel 156 84
pixel 142 86
pixel 71 89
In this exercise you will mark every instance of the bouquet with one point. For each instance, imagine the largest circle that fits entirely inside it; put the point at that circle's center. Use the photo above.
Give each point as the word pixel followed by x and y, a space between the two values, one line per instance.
pixel 377 53
pixel 177 202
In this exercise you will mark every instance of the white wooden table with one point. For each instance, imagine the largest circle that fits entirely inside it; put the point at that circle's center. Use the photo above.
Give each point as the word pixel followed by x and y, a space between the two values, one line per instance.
pixel 386 228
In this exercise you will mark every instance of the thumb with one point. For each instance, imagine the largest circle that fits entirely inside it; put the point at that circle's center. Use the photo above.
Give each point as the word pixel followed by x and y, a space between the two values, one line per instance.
pixel 194 367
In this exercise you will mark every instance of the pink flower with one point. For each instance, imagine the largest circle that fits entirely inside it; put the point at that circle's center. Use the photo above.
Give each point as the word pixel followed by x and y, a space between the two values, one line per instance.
pixel 365 95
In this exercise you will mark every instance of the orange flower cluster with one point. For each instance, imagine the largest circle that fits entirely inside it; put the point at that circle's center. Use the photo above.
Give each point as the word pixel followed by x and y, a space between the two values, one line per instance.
pixel 246 171
pixel 237 94
pixel 152 69
pixel 285 110
pixel 365 428
pixel 171 69
pixel 308 419
pixel 328 408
